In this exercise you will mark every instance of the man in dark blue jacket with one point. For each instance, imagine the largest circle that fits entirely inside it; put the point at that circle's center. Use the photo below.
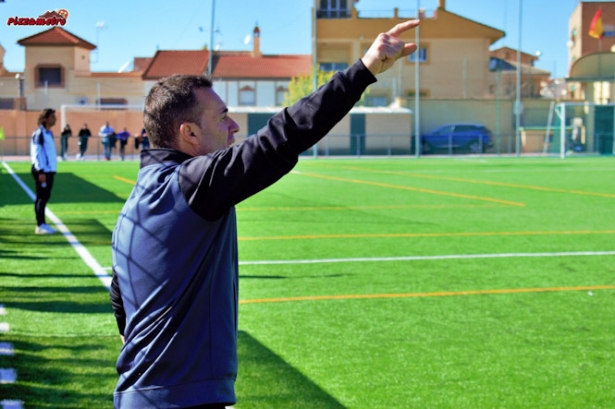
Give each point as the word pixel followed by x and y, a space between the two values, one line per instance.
pixel 175 289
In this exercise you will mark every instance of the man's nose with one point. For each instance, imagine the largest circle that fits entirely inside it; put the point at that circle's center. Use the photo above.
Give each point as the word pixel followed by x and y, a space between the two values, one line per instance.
pixel 234 127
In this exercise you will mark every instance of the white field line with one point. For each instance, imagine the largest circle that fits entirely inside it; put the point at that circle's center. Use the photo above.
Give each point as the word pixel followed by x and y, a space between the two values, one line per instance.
pixel 11 404
pixel 421 258
pixel 6 349
pixel 8 375
pixel 99 272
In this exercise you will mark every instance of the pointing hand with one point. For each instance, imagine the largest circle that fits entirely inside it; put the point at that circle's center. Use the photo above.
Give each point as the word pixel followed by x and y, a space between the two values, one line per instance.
pixel 388 48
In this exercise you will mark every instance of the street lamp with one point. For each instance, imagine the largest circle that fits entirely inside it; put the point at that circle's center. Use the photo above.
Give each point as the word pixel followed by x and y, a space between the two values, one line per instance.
pixel 19 77
pixel 532 87
pixel 99 26
pixel 20 91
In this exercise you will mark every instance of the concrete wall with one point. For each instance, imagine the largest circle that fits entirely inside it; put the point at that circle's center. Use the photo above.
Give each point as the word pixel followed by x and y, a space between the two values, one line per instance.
pixel 385 128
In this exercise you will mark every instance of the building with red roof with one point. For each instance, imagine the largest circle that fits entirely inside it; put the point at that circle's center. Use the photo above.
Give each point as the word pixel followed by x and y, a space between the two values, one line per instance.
pixel 58 73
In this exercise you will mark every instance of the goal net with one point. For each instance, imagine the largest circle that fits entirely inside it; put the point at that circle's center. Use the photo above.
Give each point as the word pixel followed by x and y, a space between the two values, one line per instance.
pixel 577 128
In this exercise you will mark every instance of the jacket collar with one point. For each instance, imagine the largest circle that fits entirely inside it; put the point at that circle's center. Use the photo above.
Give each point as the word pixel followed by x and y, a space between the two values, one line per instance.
pixel 159 155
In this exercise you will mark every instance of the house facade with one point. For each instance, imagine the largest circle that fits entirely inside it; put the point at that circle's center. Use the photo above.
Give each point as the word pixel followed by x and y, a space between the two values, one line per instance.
pixel 505 62
pixel 57 72
pixel 453 56
pixel 453 52
pixel 591 73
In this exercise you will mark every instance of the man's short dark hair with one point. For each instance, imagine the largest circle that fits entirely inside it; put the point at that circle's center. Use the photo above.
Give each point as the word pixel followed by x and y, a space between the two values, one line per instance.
pixel 44 116
pixel 171 102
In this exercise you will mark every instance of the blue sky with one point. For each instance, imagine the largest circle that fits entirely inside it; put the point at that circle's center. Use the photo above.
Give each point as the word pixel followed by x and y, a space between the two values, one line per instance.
pixel 138 28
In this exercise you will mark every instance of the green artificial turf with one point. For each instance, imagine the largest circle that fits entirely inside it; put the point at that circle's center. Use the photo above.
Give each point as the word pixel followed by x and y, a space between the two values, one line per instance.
pixel 338 315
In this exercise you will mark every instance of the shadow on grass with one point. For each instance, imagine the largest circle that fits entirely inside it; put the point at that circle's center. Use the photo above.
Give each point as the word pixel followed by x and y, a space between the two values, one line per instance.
pixel 37 275
pixel 88 232
pixel 266 381
pixel 67 188
pixel 265 277
pixel 73 372
pixel 73 300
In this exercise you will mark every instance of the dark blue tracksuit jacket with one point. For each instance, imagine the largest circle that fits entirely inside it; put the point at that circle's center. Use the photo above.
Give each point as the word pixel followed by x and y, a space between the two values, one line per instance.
pixel 175 290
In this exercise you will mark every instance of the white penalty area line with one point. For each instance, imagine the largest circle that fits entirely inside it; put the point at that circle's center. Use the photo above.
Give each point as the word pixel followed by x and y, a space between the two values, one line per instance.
pixel 85 255
pixel 421 258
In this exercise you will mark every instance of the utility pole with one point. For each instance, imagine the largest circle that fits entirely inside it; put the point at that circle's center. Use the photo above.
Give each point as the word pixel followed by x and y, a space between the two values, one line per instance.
pixel 518 103
pixel 417 86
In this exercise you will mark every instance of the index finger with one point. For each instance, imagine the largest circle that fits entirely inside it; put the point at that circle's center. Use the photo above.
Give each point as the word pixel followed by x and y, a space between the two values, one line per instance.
pixel 402 27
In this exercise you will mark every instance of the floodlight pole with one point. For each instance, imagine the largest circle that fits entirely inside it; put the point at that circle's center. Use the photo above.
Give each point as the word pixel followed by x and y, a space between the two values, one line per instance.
pixel 518 104
pixel 314 62
pixel 417 86
pixel 211 39
pixel 613 100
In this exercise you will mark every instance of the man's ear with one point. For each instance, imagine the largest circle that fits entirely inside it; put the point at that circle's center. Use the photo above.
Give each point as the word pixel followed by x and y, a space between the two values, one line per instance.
pixel 188 132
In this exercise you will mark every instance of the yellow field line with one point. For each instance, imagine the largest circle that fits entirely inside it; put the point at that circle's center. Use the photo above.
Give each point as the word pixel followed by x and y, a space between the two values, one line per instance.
pixel 121 179
pixel 319 208
pixel 481 182
pixel 91 212
pixel 432 294
pixel 415 235
pixel 415 189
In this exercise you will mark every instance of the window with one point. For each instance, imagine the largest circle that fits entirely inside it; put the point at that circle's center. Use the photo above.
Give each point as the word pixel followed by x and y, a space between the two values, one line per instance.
pixel 247 96
pixel 333 66
pixel 421 54
pixel 52 76
pixel 7 103
pixel 422 93
pixel 465 128
pixel 376 101
pixel 333 9
pixel 279 96
pixel 111 101
pixel 445 130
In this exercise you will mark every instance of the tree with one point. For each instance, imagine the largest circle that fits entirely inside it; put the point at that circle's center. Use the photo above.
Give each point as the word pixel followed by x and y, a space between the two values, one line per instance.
pixel 302 86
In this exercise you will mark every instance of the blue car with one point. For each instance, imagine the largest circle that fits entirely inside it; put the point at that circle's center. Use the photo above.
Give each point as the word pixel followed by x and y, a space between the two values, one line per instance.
pixel 467 137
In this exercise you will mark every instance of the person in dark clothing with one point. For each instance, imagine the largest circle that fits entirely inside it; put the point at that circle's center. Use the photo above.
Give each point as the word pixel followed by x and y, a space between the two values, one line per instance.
pixel 66 133
pixel 174 289
pixel 44 167
pixel 84 134
pixel 123 138
pixel 144 139
pixel 107 137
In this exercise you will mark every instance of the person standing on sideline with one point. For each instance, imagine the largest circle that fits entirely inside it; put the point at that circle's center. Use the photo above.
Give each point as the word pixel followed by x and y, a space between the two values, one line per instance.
pixel 137 141
pixel 44 167
pixel 174 289
pixel 66 133
pixel 106 133
pixel 144 139
pixel 123 138
pixel 84 134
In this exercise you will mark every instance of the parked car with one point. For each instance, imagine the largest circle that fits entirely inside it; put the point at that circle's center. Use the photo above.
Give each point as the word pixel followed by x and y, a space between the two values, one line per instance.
pixel 468 137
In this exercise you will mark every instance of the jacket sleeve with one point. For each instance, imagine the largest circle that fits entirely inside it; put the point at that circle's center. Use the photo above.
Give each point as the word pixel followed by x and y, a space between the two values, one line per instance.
pixel 38 155
pixel 118 305
pixel 214 183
